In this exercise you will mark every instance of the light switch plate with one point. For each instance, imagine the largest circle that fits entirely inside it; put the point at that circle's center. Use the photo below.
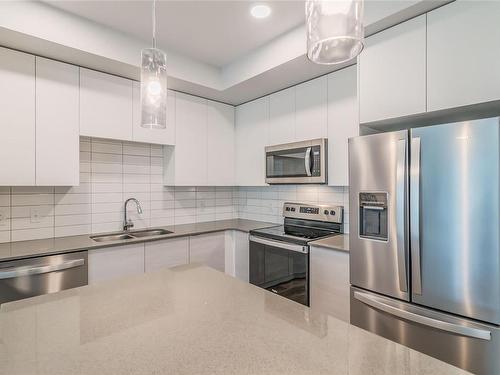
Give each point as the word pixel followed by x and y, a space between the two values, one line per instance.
pixel 35 215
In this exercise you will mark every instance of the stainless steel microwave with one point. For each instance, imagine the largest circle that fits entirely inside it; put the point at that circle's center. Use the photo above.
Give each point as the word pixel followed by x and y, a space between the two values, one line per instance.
pixel 297 163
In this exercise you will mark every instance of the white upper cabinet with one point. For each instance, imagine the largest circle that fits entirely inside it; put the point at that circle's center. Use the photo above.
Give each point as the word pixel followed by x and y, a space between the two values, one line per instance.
pixel 392 71
pixel 159 136
pixel 186 163
pixel 57 123
pixel 343 122
pixel 311 110
pixel 220 144
pixel 282 117
pixel 17 118
pixel 106 103
pixel 463 54
pixel 252 132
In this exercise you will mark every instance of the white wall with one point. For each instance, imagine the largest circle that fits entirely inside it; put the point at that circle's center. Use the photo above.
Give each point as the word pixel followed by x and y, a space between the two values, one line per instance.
pixel 265 203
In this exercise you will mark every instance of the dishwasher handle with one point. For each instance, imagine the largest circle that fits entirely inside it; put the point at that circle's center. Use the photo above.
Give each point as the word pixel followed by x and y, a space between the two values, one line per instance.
pixel 13 272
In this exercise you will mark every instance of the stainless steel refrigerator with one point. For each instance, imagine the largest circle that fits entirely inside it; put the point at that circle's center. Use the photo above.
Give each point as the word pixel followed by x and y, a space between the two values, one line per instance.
pixel 424 240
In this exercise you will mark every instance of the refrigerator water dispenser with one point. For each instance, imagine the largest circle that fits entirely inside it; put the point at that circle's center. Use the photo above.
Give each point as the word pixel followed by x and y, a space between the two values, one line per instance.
pixel 373 215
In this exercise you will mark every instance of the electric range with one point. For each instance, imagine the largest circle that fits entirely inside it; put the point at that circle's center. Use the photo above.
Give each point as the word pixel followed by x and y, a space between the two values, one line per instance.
pixel 279 255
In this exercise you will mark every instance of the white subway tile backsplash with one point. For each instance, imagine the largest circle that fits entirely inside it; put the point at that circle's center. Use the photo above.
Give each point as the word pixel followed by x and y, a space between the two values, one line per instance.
pixel 65 220
pixel 32 199
pixel 72 209
pixel 102 158
pixel 72 198
pixel 106 148
pixel 139 149
pixel 4 200
pixel 72 230
pixel 106 168
pixel 25 211
pixel 27 223
pixel 32 234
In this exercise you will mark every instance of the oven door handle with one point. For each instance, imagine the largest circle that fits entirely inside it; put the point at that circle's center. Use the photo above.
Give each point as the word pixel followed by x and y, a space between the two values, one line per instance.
pixel 280 244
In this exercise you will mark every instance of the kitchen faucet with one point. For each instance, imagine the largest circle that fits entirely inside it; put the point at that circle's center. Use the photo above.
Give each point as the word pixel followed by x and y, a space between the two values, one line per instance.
pixel 127 223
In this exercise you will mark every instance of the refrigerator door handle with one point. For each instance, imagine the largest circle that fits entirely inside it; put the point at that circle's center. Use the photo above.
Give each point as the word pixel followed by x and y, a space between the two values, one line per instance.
pixel 377 303
pixel 401 213
pixel 415 216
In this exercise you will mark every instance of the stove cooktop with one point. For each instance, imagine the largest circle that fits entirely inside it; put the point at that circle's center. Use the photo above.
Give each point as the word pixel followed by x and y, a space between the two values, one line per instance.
pixel 291 233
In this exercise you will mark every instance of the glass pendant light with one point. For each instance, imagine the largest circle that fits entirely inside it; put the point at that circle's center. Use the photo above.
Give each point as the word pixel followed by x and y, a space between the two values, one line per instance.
pixel 334 30
pixel 153 84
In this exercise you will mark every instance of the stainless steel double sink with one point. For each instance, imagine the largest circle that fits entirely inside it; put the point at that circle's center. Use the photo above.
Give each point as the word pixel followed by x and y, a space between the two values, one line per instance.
pixel 130 235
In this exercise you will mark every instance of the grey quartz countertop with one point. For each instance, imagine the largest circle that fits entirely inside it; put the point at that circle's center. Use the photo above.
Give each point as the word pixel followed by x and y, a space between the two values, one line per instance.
pixel 59 245
pixel 340 242
pixel 190 320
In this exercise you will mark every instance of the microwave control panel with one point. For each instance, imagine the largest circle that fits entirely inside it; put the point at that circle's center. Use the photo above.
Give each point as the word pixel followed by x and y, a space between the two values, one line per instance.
pixel 315 154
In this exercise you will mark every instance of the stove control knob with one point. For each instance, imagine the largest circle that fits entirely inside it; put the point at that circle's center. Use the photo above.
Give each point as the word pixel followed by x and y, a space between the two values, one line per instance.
pixel 293 209
pixel 332 213
pixel 326 212
pixel 288 208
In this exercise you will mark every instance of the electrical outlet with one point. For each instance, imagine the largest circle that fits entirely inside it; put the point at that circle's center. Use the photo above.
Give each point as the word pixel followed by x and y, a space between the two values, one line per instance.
pixel 4 215
pixel 35 215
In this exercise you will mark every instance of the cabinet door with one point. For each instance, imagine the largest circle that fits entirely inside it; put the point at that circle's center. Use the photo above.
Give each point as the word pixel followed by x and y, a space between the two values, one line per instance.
pixel 329 270
pixel 57 123
pixel 114 262
pixel 191 141
pixel 220 144
pixel 343 122
pixel 17 118
pixel 463 51
pixel 241 256
pixel 165 254
pixel 392 72
pixel 282 117
pixel 252 121
pixel 311 110
pixel 105 105
pixel 208 249
pixel 159 136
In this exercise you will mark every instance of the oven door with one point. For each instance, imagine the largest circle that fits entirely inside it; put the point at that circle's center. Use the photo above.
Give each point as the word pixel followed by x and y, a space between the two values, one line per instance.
pixel 299 162
pixel 280 267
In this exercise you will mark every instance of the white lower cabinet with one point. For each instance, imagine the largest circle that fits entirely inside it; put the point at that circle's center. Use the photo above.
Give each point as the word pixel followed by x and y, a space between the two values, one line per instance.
pixel 236 254
pixel 166 253
pixel 241 264
pixel 208 249
pixel 329 281
pixel 114 262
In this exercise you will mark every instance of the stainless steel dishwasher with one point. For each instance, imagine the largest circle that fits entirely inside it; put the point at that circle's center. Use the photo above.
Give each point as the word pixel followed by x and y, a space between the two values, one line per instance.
pixel 42 275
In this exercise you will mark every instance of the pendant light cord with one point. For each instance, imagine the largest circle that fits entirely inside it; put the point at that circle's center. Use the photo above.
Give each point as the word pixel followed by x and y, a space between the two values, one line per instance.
pixel 154 23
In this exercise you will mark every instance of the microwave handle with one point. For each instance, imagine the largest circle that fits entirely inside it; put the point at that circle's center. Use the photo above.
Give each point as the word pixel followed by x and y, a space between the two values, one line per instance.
pixel 307 161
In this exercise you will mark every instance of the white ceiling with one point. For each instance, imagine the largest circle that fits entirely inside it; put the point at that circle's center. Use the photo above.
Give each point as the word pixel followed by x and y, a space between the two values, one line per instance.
pixel 213 32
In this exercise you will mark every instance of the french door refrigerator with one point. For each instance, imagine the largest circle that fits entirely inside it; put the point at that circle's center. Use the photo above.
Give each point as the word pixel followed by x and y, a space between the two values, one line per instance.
pixel 424 240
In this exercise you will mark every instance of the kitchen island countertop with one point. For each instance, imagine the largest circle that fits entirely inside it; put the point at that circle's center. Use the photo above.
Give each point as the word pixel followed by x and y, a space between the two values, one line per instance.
pixel 190 320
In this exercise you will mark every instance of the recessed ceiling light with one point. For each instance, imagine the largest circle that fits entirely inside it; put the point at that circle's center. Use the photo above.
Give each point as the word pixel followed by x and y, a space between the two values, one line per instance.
pixel 260 11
